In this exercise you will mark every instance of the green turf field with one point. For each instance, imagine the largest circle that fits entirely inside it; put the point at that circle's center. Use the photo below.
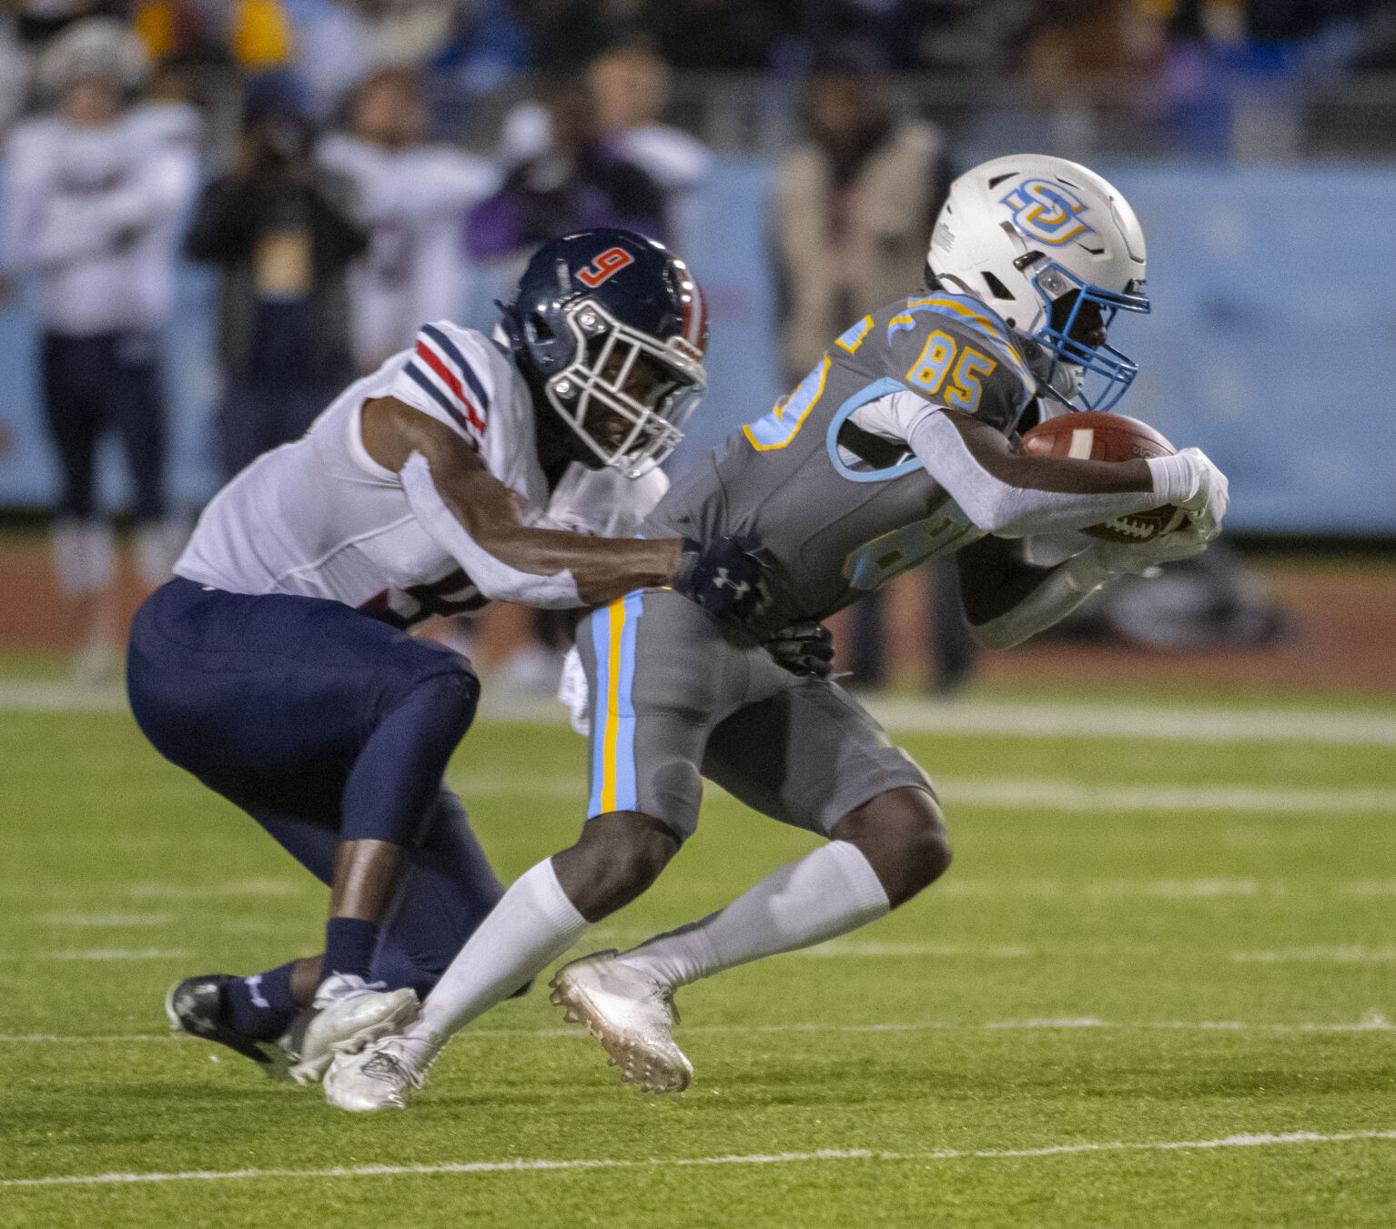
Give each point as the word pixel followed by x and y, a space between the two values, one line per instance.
pixel 1154 989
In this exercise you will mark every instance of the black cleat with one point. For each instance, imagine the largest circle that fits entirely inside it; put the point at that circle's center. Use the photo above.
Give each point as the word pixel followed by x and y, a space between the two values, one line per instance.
pixel 195 1006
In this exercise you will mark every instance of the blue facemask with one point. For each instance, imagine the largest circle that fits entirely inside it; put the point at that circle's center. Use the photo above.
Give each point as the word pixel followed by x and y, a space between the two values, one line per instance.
pixel 1104 372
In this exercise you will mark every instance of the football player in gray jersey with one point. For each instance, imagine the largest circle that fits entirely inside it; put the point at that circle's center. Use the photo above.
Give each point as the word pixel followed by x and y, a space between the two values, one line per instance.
pixel 897 448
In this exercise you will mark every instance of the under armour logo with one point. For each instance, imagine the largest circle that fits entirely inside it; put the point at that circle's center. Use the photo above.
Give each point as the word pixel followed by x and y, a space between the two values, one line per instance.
pixel 723 580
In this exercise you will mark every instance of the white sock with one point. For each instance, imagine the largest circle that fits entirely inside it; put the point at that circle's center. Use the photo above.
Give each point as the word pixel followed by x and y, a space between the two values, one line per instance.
pixel 84 556
pixel 158 545
pixel 531 927
pixel 826 893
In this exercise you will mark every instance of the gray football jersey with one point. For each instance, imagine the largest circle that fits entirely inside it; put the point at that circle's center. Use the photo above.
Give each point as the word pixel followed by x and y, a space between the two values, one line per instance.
pixel 843 510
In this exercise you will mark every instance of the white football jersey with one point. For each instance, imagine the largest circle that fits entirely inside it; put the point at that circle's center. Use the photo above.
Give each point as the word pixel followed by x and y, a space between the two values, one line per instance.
pixel 94 216
pixel 319 517
pixel 413 202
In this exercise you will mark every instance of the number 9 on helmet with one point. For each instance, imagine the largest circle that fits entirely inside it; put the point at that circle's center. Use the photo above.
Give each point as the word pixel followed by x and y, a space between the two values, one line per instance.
pixel 610 329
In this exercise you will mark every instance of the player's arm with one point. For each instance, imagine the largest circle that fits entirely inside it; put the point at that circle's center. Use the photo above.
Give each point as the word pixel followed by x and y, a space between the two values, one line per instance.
pixel 22 207
pixel 472 516
pixel 1011 495
pixel 1008 600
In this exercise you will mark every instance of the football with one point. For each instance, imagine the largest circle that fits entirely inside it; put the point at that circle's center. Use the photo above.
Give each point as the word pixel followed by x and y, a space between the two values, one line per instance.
pixel 1095 436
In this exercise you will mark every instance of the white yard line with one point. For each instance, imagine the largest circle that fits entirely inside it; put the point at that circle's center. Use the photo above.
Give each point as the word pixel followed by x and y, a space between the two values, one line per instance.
pixel 843 949
pixel 536 1165
pixel 1203 724
pixel 1072 796
pixel 97 954
pixel 1023 720
pixel 1208 888
pixel 1373 1022
pixel 1330 954
pixel 854 949
pixel 1042 793
pixel 101 920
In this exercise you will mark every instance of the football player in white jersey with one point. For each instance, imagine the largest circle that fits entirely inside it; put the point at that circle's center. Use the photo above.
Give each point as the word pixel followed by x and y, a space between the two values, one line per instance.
pixel 95 191
pixel 412 196
pixel 276 665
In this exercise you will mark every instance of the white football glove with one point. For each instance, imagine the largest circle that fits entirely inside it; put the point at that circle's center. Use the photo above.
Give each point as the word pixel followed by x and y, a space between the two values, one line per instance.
pixel 1141 558
pixel 572 690
pixel 1208 505
pixel 1190 480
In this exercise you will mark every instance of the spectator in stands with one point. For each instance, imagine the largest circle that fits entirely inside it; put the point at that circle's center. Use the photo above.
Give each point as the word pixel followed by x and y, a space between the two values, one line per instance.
pixel 280 230
pixel 851 220
pixel 14 77
pixel 95 193
pixel 462 47
pixel 566 35
pixel 629 87
pixel 412 198
pixel 253 35
pixel 724 34
pixel 40 21
pixel 573 184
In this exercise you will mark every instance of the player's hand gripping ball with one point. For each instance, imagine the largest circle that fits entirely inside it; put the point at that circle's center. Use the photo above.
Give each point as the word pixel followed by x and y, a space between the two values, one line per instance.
pixel 726 577
pixel 1097 436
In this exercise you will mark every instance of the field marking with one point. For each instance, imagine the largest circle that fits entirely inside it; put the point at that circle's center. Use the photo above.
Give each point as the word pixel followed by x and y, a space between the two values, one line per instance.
pixel 83 1038
pixel 842 949
pixel 1045 793
pixel 98 954
pixel 1169 889
pixel 235 887
pixel 1204 888
pixel 1249 1139
pixel 1024 720
pixel 1072 796
pixel 1319 954
pixel 99 920
pixel 1372 1022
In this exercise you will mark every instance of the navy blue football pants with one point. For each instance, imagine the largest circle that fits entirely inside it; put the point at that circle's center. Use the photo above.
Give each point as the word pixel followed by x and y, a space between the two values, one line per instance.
pixel 92 385
pixel 323 725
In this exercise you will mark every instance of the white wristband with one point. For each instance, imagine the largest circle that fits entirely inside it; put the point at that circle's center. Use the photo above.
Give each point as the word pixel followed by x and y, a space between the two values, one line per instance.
pixel 1176 478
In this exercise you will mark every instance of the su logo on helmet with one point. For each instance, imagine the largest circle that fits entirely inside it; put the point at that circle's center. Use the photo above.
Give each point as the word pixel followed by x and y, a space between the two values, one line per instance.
pixel 1047 212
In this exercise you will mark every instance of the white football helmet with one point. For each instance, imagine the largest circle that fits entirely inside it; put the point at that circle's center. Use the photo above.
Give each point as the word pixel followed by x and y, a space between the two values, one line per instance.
pixel 1057 252
pixel 99 47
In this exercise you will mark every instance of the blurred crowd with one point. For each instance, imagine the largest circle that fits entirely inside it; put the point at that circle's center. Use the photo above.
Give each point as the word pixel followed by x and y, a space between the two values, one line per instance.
pixel 470 47
pixel 304 150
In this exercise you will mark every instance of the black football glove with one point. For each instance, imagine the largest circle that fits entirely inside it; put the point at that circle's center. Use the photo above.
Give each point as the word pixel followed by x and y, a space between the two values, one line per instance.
pixel 726 577
pixel 806 649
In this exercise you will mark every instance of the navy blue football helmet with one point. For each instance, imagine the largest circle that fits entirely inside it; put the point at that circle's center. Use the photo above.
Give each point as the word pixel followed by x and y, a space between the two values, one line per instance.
pixel 611 328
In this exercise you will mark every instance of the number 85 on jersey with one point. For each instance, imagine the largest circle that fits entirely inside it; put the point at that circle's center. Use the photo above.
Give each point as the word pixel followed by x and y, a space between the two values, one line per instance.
pixel 950 372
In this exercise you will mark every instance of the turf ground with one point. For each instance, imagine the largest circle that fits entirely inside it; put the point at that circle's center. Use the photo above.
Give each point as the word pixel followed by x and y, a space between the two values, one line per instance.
pixel 1154 989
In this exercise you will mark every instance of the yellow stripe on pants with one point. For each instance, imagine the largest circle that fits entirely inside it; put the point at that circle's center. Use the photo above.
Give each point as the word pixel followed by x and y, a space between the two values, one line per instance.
pixel 615 613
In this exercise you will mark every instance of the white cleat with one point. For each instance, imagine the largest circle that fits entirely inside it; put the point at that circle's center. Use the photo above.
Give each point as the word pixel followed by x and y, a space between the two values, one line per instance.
pixel 350 1013
pixel 380 1076
pixel 630 1014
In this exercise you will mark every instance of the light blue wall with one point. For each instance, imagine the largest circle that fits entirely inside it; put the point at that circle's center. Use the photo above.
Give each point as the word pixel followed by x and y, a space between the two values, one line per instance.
pixel 1272 344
